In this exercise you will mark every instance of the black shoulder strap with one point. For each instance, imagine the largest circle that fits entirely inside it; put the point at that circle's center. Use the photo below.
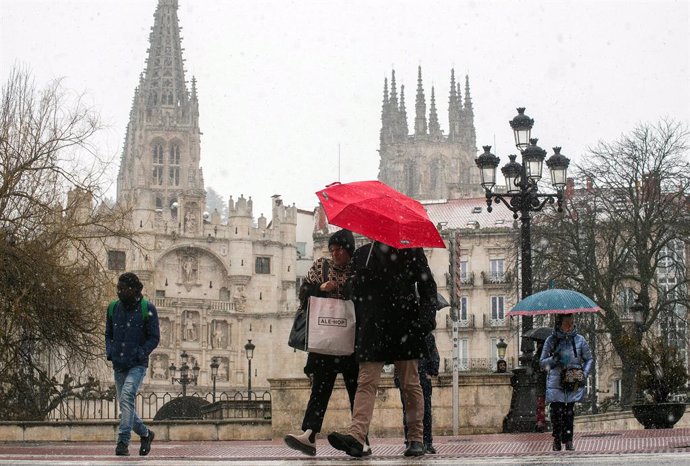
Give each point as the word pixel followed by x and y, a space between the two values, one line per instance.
pixel 324 270
pixel 574 348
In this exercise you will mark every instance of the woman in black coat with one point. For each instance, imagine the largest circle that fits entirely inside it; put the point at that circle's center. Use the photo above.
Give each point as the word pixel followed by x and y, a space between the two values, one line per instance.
pixel 326 278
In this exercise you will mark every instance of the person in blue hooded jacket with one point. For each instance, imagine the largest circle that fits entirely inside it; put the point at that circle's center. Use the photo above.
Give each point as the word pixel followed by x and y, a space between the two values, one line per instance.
pixel 131 334
pixel 564 349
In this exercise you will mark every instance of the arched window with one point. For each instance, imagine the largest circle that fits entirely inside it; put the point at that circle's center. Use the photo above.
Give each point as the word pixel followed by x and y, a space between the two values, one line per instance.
pixel 436 178
pixel 410 178
pixel 174 165
pixel 157 164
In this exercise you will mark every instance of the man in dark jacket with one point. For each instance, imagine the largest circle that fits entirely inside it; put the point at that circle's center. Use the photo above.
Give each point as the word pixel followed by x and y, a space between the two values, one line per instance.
pixel 395 301
pixel 131 334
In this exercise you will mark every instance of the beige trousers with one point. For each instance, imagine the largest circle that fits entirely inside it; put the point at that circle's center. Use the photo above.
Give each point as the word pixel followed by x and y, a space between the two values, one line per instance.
pixel 368 382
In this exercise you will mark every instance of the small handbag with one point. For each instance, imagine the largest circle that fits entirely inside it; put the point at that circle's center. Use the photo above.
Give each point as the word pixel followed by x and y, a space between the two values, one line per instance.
pixel 572 379
pixel 298 333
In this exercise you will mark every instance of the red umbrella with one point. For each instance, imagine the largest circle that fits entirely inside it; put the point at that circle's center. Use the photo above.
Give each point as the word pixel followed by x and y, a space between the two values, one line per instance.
pixel 377 211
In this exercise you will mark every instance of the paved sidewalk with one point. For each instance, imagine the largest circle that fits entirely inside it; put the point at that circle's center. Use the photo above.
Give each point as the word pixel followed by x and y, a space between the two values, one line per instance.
pixel 587 444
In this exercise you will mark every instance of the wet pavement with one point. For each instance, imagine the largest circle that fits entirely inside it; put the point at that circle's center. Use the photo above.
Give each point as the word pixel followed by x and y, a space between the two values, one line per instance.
pixel 664 446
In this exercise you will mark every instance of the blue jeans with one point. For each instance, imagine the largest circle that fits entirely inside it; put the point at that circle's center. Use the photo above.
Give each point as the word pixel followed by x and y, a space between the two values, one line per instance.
pixel 127 384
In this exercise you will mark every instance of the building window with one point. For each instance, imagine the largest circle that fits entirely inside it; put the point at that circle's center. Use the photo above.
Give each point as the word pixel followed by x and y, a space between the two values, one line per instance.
pixel 463 307
pixel 464 272
pixel 158 164
pixel 494 352
pixel 410 177
pixel 301 247
pixel 116 260
pixel 497 272
pixel 174 168
pixel 497 307
pixel 626 297
pixel 263 265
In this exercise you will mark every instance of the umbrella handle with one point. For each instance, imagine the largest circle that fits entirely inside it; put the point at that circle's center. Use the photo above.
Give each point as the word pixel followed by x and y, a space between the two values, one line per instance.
pixel 366 264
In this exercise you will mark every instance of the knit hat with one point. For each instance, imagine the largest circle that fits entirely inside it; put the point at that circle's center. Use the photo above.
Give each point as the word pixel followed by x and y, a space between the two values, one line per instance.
pixel 344 239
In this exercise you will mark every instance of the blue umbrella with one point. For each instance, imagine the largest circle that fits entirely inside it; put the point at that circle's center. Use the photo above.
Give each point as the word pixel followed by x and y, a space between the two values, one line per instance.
pixel 554 301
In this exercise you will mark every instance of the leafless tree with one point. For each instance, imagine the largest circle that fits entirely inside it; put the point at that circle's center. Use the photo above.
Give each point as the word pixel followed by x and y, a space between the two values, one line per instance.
pixel 625 234
pixel 53 232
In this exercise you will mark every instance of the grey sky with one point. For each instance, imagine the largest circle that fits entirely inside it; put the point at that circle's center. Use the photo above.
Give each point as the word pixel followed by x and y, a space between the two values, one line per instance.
pixel 282 83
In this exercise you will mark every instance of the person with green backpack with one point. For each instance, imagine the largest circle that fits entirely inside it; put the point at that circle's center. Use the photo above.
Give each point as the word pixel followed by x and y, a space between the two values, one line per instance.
pixel 131 335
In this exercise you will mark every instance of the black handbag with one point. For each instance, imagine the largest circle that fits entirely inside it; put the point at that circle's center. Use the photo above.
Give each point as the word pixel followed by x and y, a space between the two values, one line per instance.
pixel 298 333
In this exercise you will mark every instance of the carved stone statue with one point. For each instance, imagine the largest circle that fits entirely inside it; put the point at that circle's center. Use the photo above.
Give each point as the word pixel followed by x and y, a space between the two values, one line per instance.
pixel 189 269
pixel 190 333
pixel 159 370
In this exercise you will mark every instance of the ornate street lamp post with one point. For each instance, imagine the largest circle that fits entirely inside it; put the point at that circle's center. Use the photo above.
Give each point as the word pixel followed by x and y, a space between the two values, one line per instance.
pixel 522 197
pixel 501 347
pixel 184 379
pixel 249 349
pixel 214 373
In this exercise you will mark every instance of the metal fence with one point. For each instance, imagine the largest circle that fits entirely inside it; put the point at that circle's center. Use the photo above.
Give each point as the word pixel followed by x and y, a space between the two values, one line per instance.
pixel 148 404
pixel 475 364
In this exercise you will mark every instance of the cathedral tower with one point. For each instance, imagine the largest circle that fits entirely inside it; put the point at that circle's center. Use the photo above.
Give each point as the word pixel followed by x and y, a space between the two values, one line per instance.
pixel 429 164
pixel 215 284
pixel 159 170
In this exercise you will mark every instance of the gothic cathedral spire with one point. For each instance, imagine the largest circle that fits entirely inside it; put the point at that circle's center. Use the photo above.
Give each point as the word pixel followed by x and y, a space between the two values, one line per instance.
pixel 454 108
pixel 420 107
pixel 434 127
pixel 160 165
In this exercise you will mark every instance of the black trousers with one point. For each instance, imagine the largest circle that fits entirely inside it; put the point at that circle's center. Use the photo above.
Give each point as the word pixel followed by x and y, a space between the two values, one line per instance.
pixel 426 391
pixel 562 420
pixel 324 369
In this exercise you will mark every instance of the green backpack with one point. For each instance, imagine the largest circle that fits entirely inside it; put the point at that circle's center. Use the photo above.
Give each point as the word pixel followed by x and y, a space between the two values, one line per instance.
pixel 144 309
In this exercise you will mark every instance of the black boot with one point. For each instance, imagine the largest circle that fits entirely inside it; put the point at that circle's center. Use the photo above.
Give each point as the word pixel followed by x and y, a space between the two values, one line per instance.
pixel 556 445
pixel 415 449
pixel 122 449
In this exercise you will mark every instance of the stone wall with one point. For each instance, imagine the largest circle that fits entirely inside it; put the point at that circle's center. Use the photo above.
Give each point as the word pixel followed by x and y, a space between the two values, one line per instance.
pixel 106 431
pixel 484 401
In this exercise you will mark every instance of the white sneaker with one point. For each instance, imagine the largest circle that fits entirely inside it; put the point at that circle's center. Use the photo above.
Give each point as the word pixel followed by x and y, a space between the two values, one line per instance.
pixel 301 442
pixel 366 449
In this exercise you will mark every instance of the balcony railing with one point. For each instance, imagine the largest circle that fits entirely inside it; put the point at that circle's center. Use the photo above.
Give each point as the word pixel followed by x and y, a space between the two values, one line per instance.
pixel 463 324
pixel 496 278
pixel 213 305
pixel 491 321
pixel 467 278
pixel 475 364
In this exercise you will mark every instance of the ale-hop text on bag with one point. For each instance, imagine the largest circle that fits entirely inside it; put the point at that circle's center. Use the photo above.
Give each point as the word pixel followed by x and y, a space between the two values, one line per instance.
pixel 333 321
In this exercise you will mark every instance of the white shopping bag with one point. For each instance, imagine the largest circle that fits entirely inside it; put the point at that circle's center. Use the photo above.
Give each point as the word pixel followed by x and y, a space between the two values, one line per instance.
pixel 331 326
